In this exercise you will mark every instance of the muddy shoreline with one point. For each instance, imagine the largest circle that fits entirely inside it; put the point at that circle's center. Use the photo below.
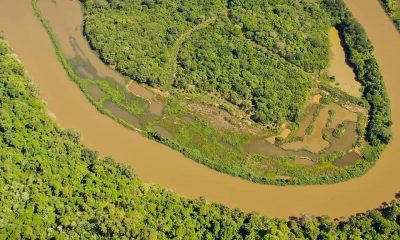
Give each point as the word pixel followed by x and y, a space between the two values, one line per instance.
pixel 157 163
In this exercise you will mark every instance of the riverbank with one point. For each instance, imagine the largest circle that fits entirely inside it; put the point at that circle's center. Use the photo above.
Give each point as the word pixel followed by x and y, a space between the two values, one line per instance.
pixel 103 134
pixel 218 148
pixel 79 195
pixel 392 8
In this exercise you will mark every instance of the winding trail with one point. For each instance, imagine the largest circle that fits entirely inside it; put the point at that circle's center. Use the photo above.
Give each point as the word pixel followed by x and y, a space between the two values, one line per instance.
pixel 157 163
pixel 182 39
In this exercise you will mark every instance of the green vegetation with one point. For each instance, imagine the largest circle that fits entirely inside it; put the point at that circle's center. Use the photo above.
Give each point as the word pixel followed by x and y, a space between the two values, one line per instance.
pixel 52 187
pixel 360 56
pixel 112 91
pixel 156 25
pixel 202 138
pixel 392 7
pixel 339 131
pixel 332 114
pixel 218 59
pixel 229 56
pixel 295 30
pixel 310 129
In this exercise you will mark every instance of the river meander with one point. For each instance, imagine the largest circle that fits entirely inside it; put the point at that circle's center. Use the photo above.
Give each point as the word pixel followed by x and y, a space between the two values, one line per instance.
pixel 159 164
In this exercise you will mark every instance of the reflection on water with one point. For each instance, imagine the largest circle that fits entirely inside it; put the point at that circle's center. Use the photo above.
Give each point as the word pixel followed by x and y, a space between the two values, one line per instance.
pixel 80 63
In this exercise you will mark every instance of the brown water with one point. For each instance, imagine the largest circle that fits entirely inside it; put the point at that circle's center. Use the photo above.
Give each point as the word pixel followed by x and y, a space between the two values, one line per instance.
pixel 266 148
pixel 348 159
pixel 344 74
pixel 346 141
pixel 68 27
pixel 138 90
pixel 315 142
pixel 341 115
pixel 122 113
pixel 95 92
pixel 156 107
pixel 157 163
pixel 301 131
pixel 163 132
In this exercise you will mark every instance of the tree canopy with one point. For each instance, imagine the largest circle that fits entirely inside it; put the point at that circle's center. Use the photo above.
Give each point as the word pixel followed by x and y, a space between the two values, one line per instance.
pixel 216 45
pixel 218 59
pixel 392 7
pixel 51 186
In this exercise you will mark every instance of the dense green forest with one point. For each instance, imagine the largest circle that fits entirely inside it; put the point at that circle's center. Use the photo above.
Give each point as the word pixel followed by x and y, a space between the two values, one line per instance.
pixel 217 58
pixel 221 56
pixel 265 67
pixel 52 187
pixel 116 27
pixel 392 7
pixel 296 30
pixel 360 55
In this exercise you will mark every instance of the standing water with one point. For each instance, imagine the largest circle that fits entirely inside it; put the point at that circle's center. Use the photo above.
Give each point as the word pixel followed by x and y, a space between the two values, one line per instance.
pixel 342 72
pixel 157 163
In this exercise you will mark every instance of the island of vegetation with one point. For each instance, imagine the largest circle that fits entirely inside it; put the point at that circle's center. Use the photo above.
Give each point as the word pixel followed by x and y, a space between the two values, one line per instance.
pixel 392 7
pixel 53 187
pixel 240 86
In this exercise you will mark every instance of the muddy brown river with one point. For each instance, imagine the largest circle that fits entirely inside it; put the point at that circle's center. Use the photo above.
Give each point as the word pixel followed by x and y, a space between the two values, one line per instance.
pixel 344 75
pixel 159 164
